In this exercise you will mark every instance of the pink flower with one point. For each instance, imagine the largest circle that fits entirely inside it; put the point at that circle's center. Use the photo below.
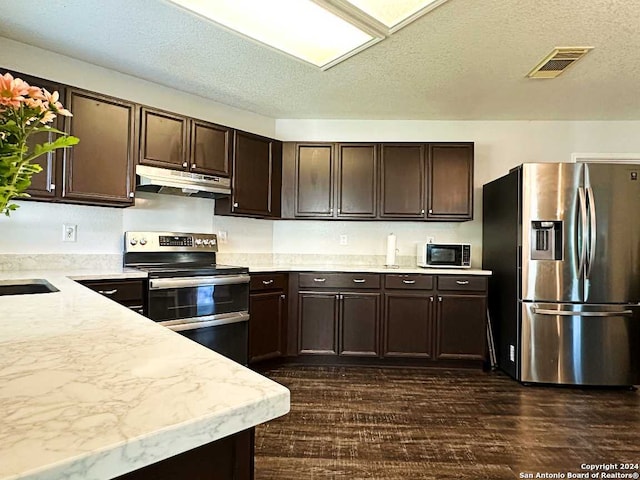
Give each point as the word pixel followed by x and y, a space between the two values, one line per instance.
pixel 54 104
pixel 12 90
pixel 47 117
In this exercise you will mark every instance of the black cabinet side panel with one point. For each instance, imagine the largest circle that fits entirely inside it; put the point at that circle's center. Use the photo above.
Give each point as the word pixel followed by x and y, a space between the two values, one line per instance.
pixel 500 226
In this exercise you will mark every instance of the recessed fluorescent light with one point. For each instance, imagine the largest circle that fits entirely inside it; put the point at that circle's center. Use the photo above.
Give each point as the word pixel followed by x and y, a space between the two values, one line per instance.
pixel 396 12
pixel 300 28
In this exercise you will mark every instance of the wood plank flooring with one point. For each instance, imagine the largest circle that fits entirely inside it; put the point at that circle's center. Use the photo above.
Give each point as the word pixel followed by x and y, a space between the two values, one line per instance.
pixel 390 423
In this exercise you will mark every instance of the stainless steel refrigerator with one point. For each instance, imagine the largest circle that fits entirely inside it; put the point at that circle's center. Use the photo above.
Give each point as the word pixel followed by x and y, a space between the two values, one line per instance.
pixel 563 242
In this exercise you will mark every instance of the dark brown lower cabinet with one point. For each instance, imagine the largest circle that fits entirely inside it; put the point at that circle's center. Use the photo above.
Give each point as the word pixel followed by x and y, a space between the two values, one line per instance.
pixel 461 327
pixel 229 458
pixel 266 310
pixel 318 318
pixel 408 324
pixel 359 321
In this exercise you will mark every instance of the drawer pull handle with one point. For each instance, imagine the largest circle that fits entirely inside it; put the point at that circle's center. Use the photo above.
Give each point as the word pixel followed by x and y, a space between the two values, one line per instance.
pixel 462 282
pixel 319 279
pixel 409 282
pixel 108 292
pixel 267 282
pixel 359 280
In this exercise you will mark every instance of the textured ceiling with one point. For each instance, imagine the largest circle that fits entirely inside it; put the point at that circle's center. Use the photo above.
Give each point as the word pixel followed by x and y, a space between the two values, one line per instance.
pixel 465 60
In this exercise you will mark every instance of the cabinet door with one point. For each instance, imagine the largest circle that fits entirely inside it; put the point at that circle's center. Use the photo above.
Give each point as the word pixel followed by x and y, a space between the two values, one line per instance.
pixel 210 150
pixel 450 195
pixel 402 181
pixel 359 324
pixel 99 169
pixel 43 184
pixel 266 312
pixel 314 181
pixel 461 327
pixel 408 325
pixel 256 175
pixel 317 328
pixel 357 180
pixel 163 142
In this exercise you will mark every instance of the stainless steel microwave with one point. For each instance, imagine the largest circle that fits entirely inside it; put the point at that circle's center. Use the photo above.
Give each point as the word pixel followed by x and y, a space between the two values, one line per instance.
pixel 444 255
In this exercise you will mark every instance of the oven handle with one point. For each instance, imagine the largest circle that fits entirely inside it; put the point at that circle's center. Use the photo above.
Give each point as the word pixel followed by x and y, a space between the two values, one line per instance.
pixel 178 282
pixel 197 322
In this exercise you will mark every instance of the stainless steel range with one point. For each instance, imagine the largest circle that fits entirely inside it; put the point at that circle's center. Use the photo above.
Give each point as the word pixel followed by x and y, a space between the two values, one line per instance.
pixel 190 293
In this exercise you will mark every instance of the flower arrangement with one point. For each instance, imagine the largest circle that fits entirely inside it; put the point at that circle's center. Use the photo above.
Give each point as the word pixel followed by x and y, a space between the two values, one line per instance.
pixel 25 110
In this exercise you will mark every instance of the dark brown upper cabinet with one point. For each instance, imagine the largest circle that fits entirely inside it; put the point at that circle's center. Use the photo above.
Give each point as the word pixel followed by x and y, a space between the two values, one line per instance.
pixel 100 169
pixel 450 192
pixel 402 181
pixel 257 178
pixel 180 143
pixel 210 148
pixel 357 180
pixel 163 141
pixel 314 168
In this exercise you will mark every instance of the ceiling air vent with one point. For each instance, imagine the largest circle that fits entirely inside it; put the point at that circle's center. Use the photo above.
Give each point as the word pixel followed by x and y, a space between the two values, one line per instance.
pixel 558 61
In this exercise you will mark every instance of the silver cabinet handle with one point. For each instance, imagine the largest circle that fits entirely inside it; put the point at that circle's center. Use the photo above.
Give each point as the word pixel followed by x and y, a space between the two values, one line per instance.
pixel 283 297
pixel 439 299
pixel 430 210
pixel 185 164
pixel 359 280
pixel 267 282
pixel 52 186
pixel 108 292
pixel 409 282
pixel 235 205
pixel 193 165
pixel 319 279
pixel 431 299
pixel 131 194
pixel 422 212
pixel 331 210
pixel 462 282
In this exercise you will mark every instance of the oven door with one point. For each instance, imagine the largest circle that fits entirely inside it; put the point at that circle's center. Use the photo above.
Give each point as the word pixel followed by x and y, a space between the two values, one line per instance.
pixel 212 311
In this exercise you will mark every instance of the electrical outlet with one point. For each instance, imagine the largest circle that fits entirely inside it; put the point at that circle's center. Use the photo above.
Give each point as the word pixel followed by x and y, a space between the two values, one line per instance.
pixel 344 240
pixel 69 232
pixel 222 236
pixel 430 239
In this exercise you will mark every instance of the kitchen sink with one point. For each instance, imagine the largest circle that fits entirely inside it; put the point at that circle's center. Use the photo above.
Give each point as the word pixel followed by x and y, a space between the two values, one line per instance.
pixel 25 287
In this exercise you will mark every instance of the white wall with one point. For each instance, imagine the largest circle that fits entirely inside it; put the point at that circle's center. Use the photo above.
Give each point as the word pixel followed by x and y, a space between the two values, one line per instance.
pixel 37 227
pixel 499 146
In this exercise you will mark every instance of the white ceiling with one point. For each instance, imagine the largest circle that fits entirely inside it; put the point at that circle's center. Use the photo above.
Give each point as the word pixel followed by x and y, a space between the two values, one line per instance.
pixel 466 60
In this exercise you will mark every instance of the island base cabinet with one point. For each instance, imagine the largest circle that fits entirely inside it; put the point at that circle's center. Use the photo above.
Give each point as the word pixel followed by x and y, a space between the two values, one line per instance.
pixel 461 327
pixel 359 320
pixel 229 458
pixel 408 325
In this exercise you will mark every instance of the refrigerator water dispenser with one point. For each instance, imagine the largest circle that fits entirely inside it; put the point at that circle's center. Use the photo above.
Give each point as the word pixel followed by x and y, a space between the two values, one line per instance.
pixel 546 240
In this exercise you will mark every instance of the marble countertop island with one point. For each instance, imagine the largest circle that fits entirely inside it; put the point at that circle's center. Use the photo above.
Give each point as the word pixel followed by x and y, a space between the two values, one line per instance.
pixel 91 390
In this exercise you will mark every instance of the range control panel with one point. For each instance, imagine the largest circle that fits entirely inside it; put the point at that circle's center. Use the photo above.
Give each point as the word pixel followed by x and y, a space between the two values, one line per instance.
pixel 169 241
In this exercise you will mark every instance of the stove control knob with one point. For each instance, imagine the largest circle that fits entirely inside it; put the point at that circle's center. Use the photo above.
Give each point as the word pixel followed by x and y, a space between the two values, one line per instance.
pixel 206 241
pixel 198 241
pixel 143 241
pixel 133 241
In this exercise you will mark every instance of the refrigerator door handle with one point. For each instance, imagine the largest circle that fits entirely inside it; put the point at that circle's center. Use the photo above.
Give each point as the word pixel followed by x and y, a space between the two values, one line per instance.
pixel 592 230
pixel 568 313
pixel 584 225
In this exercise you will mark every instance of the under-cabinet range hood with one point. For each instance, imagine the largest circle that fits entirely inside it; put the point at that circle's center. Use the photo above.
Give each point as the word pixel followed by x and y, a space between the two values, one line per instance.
pixel 174 182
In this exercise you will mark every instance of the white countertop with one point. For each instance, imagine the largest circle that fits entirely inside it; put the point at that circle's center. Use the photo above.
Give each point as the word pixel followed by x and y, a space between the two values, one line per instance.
pixel 270 267
pixel 91 390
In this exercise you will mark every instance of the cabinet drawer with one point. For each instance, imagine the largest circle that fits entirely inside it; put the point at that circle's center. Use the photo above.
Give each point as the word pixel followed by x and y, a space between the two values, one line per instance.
pixel 462 283
pixel 126 292
pixel 412 282
pixel 339 280
pixel 274 281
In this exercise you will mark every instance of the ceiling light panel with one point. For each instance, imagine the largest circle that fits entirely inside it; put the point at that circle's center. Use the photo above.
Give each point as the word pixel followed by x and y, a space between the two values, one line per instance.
pixel 396 12
pixel 300 28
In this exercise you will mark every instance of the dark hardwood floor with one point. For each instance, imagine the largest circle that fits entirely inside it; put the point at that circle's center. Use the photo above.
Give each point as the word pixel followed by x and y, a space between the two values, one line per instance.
pixel 391 423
